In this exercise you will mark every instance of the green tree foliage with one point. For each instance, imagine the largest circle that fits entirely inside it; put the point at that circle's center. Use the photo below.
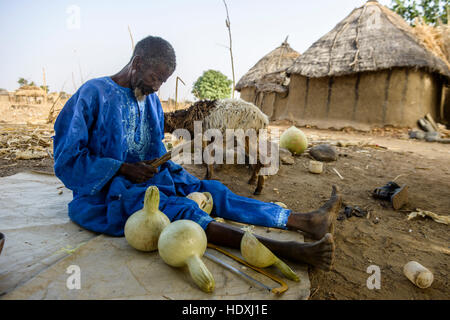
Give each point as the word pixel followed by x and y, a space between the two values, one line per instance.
pixel 431 11
pixel 22 82
pixel 212 85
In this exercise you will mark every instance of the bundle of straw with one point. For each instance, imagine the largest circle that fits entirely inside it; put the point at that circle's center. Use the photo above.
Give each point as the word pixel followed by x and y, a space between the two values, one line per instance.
pixel 436 39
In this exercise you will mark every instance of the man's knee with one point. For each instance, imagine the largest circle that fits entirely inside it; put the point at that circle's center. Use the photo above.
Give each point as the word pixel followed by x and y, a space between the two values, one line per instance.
pixel 213 186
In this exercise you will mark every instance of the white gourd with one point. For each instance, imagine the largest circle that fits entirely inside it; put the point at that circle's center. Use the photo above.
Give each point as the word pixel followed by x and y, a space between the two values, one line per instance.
pixel 418 274
pixel 258 255
pixel 204 200
pixel 143 227
pixel 184 242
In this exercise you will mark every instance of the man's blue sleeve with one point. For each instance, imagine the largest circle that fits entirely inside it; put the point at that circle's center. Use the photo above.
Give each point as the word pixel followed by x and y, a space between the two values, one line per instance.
pixel 80 169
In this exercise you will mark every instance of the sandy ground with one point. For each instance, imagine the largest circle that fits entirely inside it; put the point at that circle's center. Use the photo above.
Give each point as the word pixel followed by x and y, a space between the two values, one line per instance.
pixel 21 113
pixel 385 238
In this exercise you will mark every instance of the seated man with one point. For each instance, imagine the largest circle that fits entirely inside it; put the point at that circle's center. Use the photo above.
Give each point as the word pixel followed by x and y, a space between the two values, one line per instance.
pixel 112 125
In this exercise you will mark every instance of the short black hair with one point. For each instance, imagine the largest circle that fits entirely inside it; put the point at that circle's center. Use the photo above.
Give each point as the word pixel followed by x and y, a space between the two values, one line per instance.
pixel 156 50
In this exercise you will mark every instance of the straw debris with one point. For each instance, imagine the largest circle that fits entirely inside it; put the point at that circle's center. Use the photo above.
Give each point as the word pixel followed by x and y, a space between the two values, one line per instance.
pixel 25 143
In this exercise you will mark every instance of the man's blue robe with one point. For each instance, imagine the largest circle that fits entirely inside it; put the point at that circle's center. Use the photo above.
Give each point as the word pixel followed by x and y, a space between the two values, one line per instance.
pixel 101 127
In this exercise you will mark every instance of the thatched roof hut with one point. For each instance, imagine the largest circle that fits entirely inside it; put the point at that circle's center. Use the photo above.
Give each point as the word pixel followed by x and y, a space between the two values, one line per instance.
pixel 30 95
pixel 370 70
pixel 371 38
pixel 266 83
pixel 277 60
pixel 30 91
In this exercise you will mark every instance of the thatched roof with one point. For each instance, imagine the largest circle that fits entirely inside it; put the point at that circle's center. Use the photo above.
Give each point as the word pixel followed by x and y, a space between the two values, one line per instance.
pixel 371 38
pixel 30 91
pixel 273 82
pixel 277 60
pixel 436 39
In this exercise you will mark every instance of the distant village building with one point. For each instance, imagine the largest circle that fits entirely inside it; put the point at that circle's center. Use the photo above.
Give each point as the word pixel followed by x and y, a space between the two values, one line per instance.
pixel 29 95
pixel 266 84
pixel 370 70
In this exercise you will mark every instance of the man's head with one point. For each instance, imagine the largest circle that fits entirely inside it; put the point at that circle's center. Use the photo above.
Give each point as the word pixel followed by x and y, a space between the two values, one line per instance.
pixel 152 63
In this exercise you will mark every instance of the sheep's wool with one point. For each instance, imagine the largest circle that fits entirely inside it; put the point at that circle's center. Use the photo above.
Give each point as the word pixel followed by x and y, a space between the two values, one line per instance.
pixel 235 114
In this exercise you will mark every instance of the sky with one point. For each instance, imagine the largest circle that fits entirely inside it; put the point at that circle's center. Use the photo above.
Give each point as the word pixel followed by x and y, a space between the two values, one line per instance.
pixel 77 40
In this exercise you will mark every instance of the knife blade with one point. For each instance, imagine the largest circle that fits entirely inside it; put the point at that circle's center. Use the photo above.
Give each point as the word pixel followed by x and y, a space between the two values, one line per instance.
pixel 237 271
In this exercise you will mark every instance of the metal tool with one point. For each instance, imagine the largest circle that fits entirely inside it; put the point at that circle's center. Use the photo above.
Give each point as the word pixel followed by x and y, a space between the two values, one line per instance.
pixel 278 290
pixel 237 271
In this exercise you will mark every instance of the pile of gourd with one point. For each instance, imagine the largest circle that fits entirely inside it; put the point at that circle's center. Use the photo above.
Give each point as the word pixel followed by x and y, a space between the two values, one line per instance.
pixel 183 242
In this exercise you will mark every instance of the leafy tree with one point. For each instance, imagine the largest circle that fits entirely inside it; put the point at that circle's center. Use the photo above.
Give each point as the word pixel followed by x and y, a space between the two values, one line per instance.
pixel 212 85
pixel 45 88
pixel 22 82
pixel 431 11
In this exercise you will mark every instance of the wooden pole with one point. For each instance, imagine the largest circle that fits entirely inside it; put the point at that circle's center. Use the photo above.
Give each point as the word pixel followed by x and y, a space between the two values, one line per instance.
pixel 73 82
pixel 284 44
pixel 228 24
pixel 176 91
pixel 448 15
pixel 131 37
pixel 81 73
pixel 79 66
pixel 50 117
pixel 45 85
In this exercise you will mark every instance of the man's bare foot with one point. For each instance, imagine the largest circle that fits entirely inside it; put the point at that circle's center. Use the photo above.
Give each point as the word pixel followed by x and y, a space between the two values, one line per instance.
pixel 319 254
pixel 319 222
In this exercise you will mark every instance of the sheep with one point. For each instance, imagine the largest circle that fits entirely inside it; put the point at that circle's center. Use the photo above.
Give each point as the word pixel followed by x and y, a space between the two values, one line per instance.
pixel 222 114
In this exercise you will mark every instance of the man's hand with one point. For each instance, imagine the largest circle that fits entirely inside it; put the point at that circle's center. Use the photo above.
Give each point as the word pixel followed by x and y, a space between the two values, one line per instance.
pixel 138 172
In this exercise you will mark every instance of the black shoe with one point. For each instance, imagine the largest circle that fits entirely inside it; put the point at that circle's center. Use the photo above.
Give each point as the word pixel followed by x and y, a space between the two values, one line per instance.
pixel 386 192
pixel 398 195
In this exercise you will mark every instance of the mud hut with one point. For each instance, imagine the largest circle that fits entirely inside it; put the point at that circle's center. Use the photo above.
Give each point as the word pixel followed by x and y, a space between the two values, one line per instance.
pixel 266 83
pixel 30 95
pixel 370 70
pixel 437 40
pixel 4 96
